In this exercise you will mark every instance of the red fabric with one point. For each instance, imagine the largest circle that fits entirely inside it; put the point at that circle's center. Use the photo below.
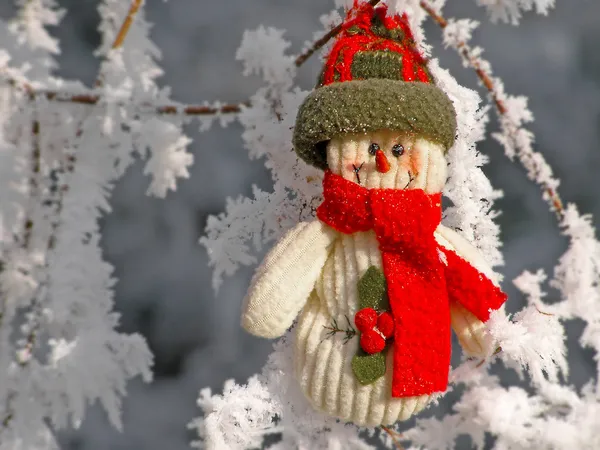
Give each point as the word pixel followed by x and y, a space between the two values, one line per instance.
pixel 420 285
pixel 467 286
pixel 372 342
pixel 385 324
pixel 348 44
pixel 365 319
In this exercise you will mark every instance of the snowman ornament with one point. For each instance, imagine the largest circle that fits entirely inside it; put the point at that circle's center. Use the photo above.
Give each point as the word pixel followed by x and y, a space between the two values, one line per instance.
pixel 377 281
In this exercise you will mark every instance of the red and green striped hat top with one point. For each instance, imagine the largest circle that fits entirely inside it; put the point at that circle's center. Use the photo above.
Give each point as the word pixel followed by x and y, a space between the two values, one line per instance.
pixel 374 78
pixel 374 45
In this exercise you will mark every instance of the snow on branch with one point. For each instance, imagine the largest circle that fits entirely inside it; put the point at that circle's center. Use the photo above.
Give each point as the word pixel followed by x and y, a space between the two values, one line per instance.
pixel 510 11
pixel 90 97
pixel 512 111
pixel 577 275
pixel 534 339
pixel 239 418
pixel 263 53
pixel 270 403
pixel 33 17
pixel 468 188
pixel 59 347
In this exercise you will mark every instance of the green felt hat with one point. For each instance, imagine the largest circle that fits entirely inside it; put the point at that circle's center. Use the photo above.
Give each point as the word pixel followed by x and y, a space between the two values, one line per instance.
pixel 373 79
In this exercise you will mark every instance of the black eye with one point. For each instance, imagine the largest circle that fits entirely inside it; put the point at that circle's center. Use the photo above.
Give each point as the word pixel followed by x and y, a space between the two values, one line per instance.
pixel 373 148
pixel 397 150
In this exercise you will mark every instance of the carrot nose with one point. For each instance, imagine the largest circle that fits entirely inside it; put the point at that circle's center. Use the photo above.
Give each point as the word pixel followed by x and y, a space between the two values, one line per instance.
pixel 381 161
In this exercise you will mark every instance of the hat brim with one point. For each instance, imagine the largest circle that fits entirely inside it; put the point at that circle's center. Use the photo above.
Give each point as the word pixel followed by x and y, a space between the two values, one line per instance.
pixel 361 106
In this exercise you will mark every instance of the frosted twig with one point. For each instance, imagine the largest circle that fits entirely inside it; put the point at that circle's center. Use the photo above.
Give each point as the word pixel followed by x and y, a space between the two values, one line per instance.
pixel 71 159
pixel 67 166
pixel 68 163
pixel 188 110
pixel 33 179
pixel 490 83
pixel 28 224
pixel 122 34
pixel 319 43
pixel 482 362
pixel 24 239
pixel 92 99
pixel 133 9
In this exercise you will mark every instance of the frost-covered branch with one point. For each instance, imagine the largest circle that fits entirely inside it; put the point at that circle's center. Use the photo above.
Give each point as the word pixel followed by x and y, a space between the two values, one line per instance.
pixel 134 7
pixel 91 98
pixel 319 43
pixel 577 275
pixel 512 111
pixel 510 10
pixel 147 108
pixel 189 110
pixel 59 348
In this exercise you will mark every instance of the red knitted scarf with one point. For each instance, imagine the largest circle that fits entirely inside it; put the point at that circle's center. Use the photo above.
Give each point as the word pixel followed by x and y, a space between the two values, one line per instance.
pixel 422 277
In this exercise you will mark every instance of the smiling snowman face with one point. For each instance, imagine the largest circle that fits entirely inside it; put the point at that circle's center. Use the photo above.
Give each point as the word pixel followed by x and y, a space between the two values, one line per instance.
pixel 388 159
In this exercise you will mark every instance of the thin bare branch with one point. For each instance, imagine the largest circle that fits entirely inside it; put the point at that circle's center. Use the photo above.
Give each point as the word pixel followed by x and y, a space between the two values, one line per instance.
pixel 126 25
pixel 194 110
pixel 67 166
pixel 487 81
pixel 482 362
pixel 188 110
pixel 122 33
pixel 33 179
pixel 319 43
pixel 395 437
pixel 24 240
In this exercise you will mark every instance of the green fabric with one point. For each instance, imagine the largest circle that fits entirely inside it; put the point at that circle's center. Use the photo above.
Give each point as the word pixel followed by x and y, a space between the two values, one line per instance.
pixel 361 106
pixel 377 27
pixel 368 368
pixel 372 293
pixel 378 64
pixel 372 290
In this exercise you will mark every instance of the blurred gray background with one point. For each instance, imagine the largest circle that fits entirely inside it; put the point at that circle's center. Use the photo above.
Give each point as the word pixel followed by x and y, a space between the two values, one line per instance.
pixel 164 282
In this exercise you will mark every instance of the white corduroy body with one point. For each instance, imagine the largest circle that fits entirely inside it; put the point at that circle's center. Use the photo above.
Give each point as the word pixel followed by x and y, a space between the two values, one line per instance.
pixel 315 269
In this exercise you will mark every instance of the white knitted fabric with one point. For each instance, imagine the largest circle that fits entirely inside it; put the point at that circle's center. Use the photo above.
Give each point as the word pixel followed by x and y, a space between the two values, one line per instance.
pixel 316 269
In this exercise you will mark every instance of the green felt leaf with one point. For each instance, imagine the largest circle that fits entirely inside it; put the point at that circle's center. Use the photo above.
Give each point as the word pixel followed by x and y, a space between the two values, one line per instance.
pixel 372 290
pixel 368 368
pixel 372 293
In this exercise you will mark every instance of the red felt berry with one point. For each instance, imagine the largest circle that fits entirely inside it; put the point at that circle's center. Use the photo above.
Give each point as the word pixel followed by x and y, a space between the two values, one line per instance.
pixel 372 342
pixel 365 319
pixel 385 324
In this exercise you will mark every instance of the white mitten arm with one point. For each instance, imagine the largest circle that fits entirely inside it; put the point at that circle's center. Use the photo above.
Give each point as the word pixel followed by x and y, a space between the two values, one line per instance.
pixel 471 331
pixel 285 279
